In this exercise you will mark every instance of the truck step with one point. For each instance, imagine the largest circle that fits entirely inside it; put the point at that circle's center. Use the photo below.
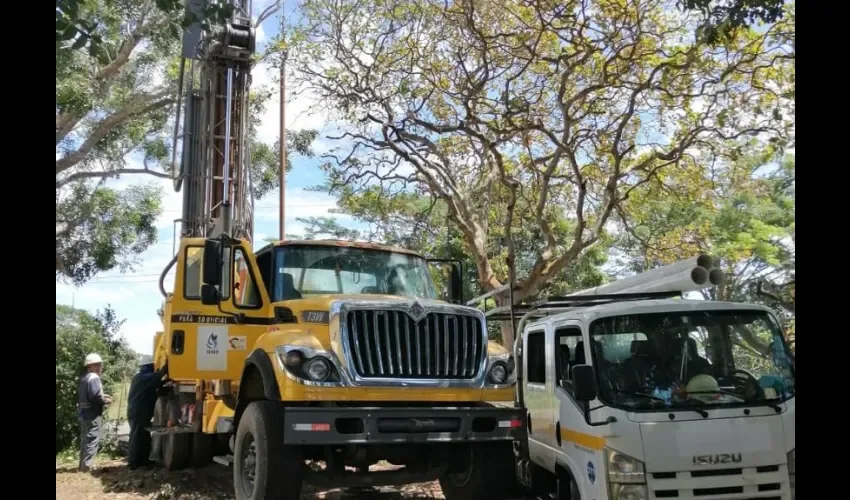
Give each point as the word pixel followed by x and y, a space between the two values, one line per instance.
pixel 177 429
pixel 225 460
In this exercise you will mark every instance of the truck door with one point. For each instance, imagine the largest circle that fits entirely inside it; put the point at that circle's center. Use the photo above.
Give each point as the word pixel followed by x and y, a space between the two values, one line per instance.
pixel 205 342
pixel 249 296
pixel 537 391
pixel 569 415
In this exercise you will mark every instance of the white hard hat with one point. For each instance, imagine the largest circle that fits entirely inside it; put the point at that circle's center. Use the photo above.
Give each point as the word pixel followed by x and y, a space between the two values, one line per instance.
pixel 93 359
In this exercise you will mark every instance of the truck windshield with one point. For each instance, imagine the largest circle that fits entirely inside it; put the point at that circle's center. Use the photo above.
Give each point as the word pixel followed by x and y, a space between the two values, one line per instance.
pixel 692 359
pixel 305 270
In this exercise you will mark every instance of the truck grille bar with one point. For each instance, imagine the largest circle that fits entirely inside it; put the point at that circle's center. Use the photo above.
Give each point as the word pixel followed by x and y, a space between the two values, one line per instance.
pixel 390 344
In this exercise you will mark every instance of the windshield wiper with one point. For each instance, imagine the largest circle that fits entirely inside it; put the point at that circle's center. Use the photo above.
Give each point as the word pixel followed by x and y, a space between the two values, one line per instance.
pixel 640 394
pixel 773 406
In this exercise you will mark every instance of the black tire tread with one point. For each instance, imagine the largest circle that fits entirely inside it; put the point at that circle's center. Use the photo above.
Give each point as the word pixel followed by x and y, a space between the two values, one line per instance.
pixel 264 420
pixel 493 476
pixel 176 448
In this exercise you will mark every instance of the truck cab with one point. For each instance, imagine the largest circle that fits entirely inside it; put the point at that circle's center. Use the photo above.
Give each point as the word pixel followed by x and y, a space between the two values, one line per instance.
pixel 353 347
pixel 650 399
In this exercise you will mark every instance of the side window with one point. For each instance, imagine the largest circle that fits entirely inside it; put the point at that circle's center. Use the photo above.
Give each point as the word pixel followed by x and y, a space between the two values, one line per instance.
pixel 567 343
pixel 264 263
pixel 245 291
pixel 192 272
pixel 536 358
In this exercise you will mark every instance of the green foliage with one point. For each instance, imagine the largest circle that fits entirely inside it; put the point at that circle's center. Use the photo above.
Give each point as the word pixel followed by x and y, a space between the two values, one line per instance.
pixel 79 333
pixel 522 127
pixel 116 99
pixel 101 229
pixel 722 17
pixel 265 159
pixel 743 214
pixel 78 26
pixel 324 227
pixel 418 222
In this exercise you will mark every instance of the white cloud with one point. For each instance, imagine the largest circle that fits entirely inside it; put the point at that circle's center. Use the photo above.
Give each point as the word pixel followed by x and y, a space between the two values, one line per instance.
pixel 259 6
pixel 299 203
pixel 140 334
pixel 302 110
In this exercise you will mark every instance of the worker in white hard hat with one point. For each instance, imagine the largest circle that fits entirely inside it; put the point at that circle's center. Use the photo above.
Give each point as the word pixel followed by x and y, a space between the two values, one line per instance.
pixel 90 403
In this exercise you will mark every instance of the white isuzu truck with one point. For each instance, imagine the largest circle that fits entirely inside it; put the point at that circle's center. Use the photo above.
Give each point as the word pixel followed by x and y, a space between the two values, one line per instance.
pixel 634 393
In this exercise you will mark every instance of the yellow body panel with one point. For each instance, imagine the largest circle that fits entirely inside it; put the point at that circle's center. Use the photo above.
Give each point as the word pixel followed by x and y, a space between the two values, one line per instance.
pixel 186 366
pixel 198 322
pixel 213 410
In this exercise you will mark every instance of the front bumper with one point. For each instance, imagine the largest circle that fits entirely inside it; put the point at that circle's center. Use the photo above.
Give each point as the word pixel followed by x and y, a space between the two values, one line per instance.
pixel 338 426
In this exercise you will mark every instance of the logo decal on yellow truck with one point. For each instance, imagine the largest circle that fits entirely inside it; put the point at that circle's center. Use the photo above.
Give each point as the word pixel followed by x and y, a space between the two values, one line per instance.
pixel 212 351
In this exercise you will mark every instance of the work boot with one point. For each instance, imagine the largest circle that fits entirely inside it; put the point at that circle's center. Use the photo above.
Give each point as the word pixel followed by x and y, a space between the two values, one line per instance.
pixel 141 464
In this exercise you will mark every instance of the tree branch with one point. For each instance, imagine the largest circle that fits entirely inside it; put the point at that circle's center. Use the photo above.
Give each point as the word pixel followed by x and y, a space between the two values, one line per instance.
pixel 137 107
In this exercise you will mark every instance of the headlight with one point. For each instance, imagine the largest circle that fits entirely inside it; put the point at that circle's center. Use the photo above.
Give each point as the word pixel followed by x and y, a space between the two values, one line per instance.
pixel 309 366
pixel 624 469
pixel 501 369
pixel 628 492
pixel 318 369
pixel 792 471
pixel 498 373
pixel 626 477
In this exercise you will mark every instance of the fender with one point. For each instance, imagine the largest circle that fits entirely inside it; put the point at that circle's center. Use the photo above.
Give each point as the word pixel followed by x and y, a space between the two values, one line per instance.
pixel 260 359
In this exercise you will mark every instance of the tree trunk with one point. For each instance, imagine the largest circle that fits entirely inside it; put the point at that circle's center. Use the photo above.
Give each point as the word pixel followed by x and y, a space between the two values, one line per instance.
pixel 507 335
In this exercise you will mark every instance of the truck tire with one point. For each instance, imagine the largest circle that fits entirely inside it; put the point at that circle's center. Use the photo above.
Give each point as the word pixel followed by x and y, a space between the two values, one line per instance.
pixel 156 441
pixel 263 468
pixel 485 472
pixel 567 487
pixel 174 448
pixel 203 446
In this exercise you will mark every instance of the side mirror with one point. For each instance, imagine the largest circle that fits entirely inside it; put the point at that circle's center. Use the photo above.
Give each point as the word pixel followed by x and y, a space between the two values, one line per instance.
pixel 212 263
pixel 209 294
pixel 584 383
pixel 456 292
pixel 454 287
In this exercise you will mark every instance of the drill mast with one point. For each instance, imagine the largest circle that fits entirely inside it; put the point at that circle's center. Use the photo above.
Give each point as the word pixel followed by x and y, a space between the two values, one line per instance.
pixel 214 169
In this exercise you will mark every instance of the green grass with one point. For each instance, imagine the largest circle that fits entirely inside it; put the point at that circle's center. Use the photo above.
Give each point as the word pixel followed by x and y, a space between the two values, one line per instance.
pixel 118 409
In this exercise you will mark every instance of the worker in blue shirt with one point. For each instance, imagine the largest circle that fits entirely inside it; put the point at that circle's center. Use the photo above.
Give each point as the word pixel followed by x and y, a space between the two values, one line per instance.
pixel 140 408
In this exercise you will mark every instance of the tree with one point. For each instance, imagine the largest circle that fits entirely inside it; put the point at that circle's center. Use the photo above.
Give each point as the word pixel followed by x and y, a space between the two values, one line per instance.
pixel 743 215
pixel 116 99
pixel 560 108
pixel 79 333
pixel 722 18
pixel 111 100
pixel 419 222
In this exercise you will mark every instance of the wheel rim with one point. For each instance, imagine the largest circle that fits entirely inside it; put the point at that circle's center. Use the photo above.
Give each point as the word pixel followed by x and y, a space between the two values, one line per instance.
pixel 461 477
pixel 248 459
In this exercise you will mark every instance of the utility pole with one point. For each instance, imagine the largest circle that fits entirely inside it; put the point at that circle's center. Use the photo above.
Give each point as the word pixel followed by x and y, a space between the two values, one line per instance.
pixel 283 127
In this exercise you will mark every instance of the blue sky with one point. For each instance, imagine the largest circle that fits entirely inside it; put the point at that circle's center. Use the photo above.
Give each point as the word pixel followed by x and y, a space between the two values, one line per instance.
pixel 135 295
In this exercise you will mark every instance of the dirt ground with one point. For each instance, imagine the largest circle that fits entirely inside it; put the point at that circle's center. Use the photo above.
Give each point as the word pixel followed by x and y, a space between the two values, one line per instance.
pixel 111 480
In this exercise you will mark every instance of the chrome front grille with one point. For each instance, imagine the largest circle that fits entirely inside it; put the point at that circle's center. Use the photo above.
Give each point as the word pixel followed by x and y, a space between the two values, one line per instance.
pixel 749 483
pixel 390 344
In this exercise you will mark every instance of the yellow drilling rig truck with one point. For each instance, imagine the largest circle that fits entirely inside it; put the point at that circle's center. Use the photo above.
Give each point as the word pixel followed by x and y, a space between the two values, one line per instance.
pixel 310 361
